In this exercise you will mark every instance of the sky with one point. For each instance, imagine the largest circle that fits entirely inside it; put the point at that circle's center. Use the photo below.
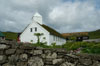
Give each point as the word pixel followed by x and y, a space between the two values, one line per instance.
pixel 65 16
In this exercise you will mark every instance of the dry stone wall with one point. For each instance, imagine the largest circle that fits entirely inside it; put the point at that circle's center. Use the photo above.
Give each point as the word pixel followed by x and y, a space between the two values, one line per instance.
pixel 17 54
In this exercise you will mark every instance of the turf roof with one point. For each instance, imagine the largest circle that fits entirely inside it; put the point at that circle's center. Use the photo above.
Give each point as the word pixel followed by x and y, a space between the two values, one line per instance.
pixel 52 31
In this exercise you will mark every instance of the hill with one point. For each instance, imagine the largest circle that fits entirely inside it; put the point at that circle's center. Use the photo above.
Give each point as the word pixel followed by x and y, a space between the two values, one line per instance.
pixel 94 34
pixel 10 35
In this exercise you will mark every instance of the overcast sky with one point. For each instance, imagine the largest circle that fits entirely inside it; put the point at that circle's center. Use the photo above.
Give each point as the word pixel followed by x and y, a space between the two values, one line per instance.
pixel 62 15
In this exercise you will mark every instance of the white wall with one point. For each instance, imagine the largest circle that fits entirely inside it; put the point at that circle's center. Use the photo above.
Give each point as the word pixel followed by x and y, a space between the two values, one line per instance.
pixel 57 40
pixel 27 36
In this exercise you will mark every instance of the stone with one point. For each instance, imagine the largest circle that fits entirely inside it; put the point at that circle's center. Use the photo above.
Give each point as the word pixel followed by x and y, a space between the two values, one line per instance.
pixel 3 42
pixel 2 59
pixel 79 64
pixel 1 52
pixel 8 64
pixel 49 65
pixel 43 55
pixel 3 46
pixel 37 52
pixel 63 64
pixel 48 61
pixel 26 47
pixel 14 46
pixel 23 57
pixel 21 64
pixel 35 61
pixel 85 61
pixel 19 51
pixel 51 55
pixel 96 63
pixel 61 51
pixel 73 56
pixel 67 64
pixel 10 51
pixel 60 56
pixel 13 59
pixel 39 48
pixel 29 51
pixel 55 61
pixel 47 51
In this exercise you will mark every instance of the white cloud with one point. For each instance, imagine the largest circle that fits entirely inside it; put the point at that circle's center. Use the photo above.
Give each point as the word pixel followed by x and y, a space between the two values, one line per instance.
pixel 67 16
pixel 75 16
pixel 21 11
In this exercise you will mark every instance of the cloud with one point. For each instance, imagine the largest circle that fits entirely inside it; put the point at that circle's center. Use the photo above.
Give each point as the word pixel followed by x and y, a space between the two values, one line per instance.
pixel 75 16
pixel 20 12
pixel 62 15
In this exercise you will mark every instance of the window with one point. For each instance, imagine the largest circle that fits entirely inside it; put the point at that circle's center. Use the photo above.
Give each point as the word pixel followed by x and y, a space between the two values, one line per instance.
pixel 31 40
pixel 44 37
pixel 30 29
pixel 35 29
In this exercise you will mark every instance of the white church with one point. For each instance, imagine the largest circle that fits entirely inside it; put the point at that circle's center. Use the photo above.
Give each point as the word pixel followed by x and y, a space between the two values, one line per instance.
pixel 49 35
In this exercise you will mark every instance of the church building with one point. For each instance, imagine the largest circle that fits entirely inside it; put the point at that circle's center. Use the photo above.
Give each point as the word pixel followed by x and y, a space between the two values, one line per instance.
pixel 48 36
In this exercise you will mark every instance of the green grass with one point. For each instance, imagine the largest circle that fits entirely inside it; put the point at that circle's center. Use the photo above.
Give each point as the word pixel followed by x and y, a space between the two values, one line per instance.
pixel 46 46
pixel 87 47
pixel 10 35
pixel 94 34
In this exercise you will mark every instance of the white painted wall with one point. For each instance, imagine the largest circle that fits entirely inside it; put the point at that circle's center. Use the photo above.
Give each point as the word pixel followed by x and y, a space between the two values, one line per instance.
pixel 27 36
pixel 57 40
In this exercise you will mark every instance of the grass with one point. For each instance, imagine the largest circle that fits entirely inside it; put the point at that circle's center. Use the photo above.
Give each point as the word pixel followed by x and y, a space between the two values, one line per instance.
pixel 87 47
pixel 94 34
pixel 46 46
pixel 10 35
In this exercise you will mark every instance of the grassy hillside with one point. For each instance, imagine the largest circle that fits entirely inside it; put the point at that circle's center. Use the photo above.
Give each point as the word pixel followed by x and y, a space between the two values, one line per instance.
pixel 10 35
pixel 94 34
